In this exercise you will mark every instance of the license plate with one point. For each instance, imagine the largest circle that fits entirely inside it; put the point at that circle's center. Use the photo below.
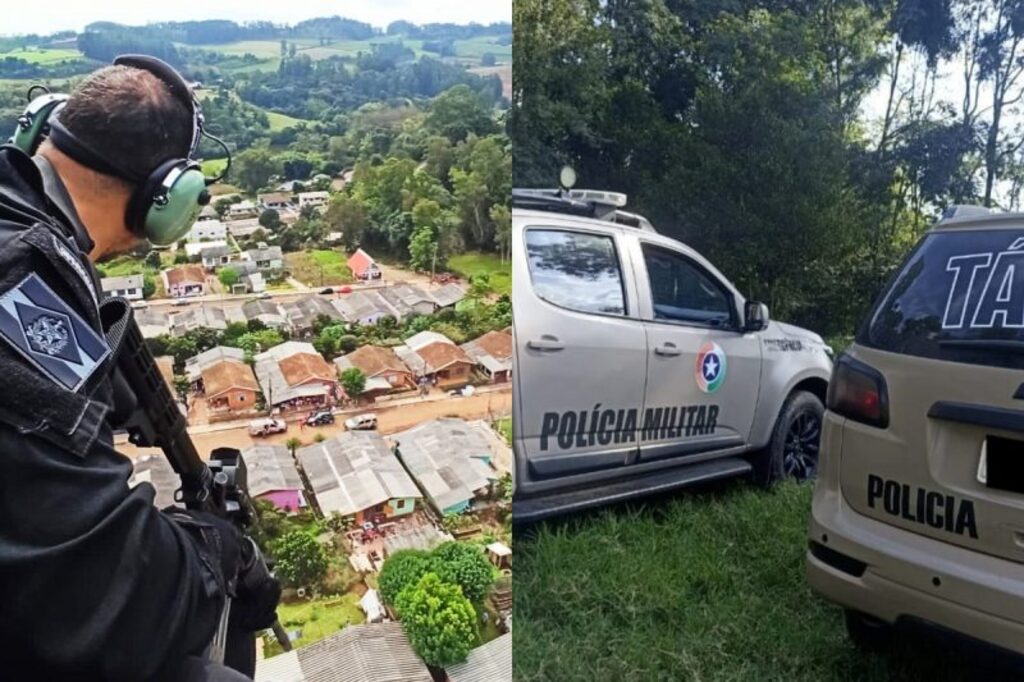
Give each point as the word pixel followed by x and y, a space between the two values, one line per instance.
pixel 1001 465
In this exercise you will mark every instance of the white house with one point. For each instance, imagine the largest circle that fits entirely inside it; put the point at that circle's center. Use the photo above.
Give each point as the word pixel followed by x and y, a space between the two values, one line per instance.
pixel 274 200
pixel 207 231
pixel 129 287
pixel 314 199
pixel 243 209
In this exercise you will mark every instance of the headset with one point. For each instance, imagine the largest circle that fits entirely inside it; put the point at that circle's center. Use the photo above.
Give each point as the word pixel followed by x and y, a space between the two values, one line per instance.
pixel 166 201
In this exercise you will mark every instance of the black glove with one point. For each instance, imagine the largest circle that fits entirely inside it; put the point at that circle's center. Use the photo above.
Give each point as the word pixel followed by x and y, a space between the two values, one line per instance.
pixel 220 541
pixel 257 593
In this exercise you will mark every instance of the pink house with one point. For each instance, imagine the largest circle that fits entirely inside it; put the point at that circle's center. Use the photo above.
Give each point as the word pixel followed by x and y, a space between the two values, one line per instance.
pixel 186 280
pixel 273 476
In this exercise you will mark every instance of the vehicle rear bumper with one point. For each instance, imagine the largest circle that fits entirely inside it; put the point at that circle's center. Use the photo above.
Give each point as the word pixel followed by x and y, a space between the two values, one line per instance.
pixel 898 576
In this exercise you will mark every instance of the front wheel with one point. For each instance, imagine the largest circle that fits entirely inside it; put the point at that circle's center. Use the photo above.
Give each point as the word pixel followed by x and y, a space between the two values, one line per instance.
pixel 795 443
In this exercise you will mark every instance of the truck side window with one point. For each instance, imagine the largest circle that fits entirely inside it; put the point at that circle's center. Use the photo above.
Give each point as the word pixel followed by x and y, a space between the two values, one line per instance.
pixel 576 270
pixel 682 292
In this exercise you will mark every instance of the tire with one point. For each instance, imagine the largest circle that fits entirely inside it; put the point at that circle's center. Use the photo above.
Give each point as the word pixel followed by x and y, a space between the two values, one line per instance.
pixel 866 632
pixel 793 449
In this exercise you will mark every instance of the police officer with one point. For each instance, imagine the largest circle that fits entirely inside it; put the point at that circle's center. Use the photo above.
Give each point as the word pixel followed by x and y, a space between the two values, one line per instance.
pixel 95 582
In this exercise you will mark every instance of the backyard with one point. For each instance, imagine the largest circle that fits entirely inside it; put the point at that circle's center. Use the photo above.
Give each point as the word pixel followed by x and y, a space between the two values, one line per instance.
pixel 696 586
pixel 473 263
pixel 317 619
pixel 319 267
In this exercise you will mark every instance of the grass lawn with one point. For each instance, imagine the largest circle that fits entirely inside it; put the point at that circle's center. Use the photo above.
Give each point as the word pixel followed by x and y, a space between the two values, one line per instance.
pixel 281 121
pixel 478 263
pixel 317 619
pixel 705 585
pixel 319 267
pixel 213 167
pixel 42 55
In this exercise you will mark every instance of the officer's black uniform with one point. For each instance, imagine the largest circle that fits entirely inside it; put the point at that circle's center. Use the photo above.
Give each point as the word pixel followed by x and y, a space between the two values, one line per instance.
pixel 95 583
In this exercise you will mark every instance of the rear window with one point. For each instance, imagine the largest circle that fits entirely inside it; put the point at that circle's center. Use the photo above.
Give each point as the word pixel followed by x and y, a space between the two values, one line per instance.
pixel 959 297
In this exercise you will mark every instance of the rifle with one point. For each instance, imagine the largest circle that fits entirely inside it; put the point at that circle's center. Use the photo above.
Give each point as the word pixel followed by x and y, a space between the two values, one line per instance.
pixel 218 487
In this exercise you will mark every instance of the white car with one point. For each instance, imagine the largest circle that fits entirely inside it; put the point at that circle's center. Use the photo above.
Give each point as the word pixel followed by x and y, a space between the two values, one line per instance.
pixel 266 427
pixel 361 422
pixel 640 368
pixel 181 301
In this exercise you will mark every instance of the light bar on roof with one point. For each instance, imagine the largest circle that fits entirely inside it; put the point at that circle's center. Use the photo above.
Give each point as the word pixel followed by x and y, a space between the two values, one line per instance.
pixel 597 196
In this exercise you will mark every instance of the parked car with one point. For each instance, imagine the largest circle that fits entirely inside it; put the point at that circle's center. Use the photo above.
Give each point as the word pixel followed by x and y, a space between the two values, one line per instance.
pixel 327 290
pixel 320 418
pixel 138 305
pixel 265 427
pixel 641 368
pixel 917 518
pixel 361 422
pixel 345 290
pixel 265 295
pixel 181 300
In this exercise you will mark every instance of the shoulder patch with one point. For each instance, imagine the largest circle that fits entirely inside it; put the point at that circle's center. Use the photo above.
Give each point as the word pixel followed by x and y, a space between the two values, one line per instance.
pixel 49 333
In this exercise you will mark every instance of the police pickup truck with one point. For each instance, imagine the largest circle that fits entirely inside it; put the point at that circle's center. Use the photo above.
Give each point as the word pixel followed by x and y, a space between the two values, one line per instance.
pixel 640 368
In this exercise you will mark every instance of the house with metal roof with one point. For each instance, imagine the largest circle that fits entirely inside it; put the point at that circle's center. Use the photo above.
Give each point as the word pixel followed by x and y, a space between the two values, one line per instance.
pixel 129 287
pixel 274 200
pixel 492 353
pixel 152 322
pixel 244 228
pixel 436 358
pixel 267 312
pixel 491 662
pixel 207 231
pixel 364 307
pixel 267 258
pixel 313 198
pixel 303 312
pixel 294 376
pixel 408 300
pixel 156 471
pixel 371 652
pixel 214 255
pixel 195 365
pixel 202 315
pixel 355 474
pixel 273 476
pixel 450 460
pixel 448 295
pixel 384 371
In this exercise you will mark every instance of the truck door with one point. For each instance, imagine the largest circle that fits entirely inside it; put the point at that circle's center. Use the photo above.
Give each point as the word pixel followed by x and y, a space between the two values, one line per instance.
pixel 580 350
pixel 703 373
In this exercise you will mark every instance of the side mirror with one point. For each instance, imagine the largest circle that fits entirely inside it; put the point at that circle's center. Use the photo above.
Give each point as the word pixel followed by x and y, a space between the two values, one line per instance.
pixel 755 316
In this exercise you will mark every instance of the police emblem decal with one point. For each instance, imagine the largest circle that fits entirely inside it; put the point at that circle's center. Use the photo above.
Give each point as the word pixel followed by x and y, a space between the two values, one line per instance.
pixel 49 333
pixel 710 368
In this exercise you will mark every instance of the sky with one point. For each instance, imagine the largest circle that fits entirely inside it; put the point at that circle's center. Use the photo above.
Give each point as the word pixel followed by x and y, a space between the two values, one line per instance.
pixel 57 15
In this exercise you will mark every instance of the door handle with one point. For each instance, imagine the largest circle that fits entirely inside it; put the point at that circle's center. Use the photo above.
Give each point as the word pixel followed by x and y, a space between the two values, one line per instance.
pixel 667 350
pixel 545 342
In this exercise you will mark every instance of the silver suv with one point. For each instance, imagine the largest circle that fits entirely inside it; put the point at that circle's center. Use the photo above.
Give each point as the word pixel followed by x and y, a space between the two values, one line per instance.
pixel 640 368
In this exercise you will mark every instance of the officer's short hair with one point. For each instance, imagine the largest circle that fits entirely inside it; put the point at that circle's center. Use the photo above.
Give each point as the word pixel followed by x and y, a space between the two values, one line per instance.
pixel 130 117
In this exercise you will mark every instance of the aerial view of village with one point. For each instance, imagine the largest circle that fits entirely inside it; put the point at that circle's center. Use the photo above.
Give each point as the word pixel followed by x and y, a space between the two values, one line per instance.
pixel 340 313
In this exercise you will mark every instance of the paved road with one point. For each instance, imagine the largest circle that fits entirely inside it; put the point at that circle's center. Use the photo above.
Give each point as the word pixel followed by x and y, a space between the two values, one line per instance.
pixel 490 405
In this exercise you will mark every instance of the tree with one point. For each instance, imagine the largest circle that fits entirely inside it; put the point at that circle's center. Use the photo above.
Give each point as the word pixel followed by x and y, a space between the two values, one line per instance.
pixel 347 215
pixel 153 259
pixel 228 277
pixel 353 381
pixel 252 168
pixel 488 59
pixel 459 111
pixel 181 386
pixel 148 285
pixel 301 561
pixel 401 569
pixel 501 216
pixel 464 565
pixel 270 219
pixel 439 621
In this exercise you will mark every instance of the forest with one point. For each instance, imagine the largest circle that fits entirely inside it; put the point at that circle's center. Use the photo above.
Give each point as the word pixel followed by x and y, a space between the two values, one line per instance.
pixel 802 146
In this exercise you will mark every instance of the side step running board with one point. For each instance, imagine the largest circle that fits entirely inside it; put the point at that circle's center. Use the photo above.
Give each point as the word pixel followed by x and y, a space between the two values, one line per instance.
pixel 542 506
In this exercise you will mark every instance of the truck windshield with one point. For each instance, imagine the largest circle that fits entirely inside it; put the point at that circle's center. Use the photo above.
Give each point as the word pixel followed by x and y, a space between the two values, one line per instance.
pixel 958 297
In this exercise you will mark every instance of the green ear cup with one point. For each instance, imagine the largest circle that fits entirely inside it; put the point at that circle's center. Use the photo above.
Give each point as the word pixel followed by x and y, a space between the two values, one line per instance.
pixel 29 132
pixel 175 204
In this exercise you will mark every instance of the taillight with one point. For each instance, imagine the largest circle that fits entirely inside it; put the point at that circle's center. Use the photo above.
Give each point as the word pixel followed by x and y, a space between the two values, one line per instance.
pixel 857 391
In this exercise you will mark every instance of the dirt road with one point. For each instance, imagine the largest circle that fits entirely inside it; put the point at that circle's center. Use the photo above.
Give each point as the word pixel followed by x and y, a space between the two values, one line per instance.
pixel 389 420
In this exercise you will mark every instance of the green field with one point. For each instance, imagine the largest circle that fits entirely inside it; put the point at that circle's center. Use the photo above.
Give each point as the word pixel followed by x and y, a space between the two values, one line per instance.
pixel 319 267
pixel 477 263
pixel 212 167
pixel 317 619
pixel 281 121
pixel 704 585
pixel 42 55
